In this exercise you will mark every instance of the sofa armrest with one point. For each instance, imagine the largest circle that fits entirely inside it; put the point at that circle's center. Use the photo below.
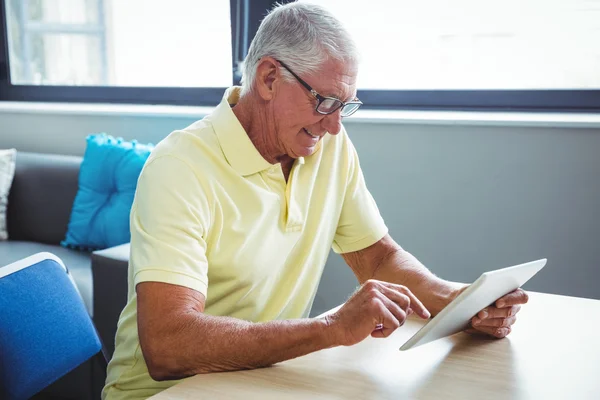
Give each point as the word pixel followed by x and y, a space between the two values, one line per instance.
pixel 109 269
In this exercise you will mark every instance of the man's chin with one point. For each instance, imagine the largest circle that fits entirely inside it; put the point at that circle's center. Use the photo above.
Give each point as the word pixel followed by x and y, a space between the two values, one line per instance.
pixel 306 151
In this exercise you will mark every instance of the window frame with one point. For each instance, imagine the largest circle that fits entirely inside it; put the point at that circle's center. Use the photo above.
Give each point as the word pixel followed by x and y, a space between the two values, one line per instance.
pixel 580 100
pixel 245 19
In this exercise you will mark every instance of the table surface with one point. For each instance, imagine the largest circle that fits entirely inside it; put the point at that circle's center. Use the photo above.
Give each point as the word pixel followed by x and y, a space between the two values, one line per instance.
pixel 552 353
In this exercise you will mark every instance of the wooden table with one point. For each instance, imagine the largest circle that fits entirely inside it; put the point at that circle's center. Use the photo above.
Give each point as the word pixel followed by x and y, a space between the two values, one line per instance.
pixel 552 353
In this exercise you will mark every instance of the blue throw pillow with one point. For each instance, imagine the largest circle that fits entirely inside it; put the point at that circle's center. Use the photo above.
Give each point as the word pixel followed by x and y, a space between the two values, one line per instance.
pixel 107 181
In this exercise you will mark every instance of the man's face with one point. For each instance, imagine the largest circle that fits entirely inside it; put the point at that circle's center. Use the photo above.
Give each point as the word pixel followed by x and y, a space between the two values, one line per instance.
pixel 299 127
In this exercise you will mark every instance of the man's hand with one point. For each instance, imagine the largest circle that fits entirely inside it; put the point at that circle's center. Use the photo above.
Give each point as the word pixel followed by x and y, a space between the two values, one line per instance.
pixel 378 309
pixel 497 320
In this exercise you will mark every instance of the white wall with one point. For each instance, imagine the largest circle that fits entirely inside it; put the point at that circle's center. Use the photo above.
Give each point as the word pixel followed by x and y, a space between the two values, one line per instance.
pixel 463 199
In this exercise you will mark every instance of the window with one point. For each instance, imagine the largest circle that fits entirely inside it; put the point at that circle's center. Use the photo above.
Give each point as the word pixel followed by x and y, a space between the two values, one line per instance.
pixel 466 54
pixel 149 51
pixel 476 53
pixel 119 43
pixel 41 39
pixel 476 44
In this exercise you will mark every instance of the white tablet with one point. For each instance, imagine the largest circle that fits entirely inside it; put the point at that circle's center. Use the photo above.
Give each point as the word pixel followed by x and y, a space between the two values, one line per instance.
pixel 488 288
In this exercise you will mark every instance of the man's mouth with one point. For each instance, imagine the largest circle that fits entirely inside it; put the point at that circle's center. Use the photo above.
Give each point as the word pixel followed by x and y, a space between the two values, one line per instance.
pixel 310 134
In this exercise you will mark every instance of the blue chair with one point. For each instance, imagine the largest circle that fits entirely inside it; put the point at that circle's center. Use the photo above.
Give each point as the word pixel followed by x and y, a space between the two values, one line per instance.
pixel 45 330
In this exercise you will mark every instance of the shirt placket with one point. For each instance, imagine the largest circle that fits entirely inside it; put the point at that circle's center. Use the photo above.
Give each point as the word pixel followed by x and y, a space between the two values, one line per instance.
pixel 290 211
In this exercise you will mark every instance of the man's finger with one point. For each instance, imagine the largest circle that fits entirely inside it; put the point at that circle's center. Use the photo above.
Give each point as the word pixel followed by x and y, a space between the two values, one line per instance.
pixel 515 297
pixel 495 312
pixel 415 303
pixel 397 297
pixel 490 331
pixel 493 322
pixel 395 309
pixel 387 320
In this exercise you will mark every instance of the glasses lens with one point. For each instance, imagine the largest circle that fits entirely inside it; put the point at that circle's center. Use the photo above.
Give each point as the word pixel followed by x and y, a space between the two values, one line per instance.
pixel 350 109
pixel 329 105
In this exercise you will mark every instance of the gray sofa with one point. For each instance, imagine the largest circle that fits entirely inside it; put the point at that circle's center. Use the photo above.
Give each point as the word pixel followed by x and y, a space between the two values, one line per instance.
pixel 39 207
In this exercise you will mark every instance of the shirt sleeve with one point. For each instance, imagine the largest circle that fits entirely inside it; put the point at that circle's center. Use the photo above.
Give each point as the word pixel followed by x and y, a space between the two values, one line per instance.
pixel 360 224
pixel 169 222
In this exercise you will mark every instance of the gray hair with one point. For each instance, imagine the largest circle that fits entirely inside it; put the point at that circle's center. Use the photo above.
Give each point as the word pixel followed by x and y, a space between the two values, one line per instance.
pixel 303 36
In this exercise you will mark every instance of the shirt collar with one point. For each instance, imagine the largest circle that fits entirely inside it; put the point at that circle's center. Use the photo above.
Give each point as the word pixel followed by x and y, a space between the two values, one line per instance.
pixel 239 150
pixel 235 143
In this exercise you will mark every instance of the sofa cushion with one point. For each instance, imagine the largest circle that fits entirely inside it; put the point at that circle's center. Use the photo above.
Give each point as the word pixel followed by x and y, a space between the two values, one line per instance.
pixel 107 182
pixel 41 197
pixel 7 172
pixel 78 263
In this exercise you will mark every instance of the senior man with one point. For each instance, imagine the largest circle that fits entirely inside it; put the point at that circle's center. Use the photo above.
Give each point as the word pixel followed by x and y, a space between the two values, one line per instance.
pixel 234 217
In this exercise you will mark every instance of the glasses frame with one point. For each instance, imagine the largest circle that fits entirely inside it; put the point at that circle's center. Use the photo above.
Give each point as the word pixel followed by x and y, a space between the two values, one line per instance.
pixel 320 98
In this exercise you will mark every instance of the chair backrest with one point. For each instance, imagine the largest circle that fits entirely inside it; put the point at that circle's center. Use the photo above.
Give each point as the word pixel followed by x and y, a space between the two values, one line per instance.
pixel 45 330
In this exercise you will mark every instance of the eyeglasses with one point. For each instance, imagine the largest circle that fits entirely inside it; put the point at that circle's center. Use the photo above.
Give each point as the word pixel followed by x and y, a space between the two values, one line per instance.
pixel 327 105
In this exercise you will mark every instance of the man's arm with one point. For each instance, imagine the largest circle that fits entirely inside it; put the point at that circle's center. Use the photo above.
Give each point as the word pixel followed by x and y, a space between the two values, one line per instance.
pixel 387 261
pixel 179 340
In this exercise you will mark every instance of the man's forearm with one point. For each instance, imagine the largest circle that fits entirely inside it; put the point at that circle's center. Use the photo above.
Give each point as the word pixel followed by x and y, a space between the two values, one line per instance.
pixel 403 268
pixel 202 343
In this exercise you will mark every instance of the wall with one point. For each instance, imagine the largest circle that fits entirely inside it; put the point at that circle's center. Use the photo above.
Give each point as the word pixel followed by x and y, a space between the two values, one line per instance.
pixel 463 199
pixel 468 199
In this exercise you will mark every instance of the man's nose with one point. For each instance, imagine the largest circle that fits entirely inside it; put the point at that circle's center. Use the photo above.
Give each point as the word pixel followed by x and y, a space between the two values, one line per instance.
pixel 333 122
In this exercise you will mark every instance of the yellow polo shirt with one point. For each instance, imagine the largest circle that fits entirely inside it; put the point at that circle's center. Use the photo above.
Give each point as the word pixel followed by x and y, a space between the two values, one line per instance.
pixel 211 214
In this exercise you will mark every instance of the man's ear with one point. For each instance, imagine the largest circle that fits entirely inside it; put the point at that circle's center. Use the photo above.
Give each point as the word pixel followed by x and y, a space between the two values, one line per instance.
pixel 266 77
